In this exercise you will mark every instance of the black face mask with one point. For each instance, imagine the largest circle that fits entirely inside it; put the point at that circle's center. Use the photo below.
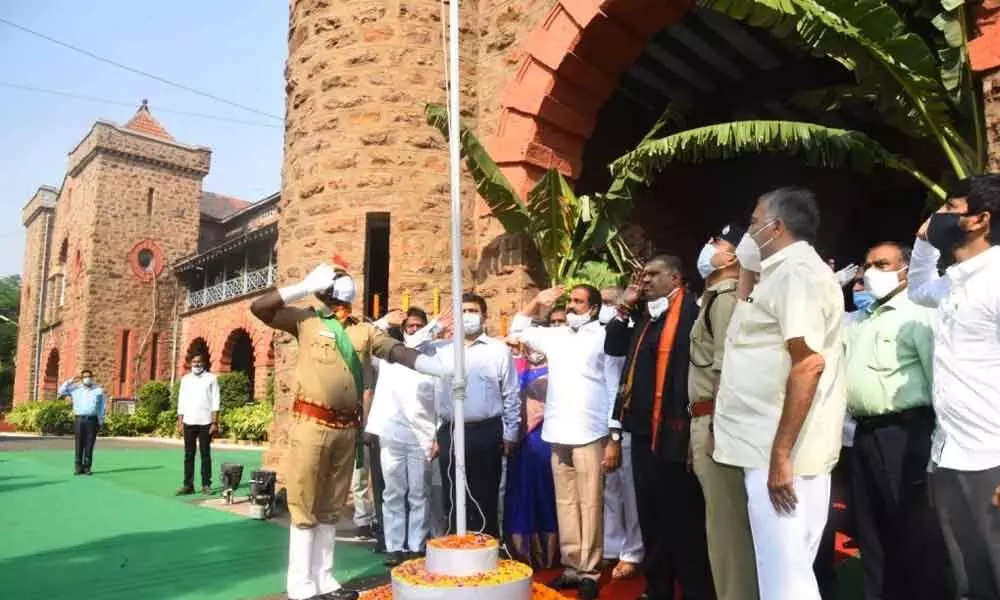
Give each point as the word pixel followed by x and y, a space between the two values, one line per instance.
pixel 945 233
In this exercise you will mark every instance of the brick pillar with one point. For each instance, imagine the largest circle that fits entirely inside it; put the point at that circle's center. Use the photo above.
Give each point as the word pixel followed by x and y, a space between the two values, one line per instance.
pixel 357 78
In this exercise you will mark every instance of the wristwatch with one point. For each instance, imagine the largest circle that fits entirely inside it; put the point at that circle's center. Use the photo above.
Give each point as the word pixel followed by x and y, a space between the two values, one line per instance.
pixel 616 436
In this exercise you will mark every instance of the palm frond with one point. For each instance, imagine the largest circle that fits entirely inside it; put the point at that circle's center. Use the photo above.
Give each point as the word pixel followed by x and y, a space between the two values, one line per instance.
pixel 490 182
pixel 554 209
pixel 817 145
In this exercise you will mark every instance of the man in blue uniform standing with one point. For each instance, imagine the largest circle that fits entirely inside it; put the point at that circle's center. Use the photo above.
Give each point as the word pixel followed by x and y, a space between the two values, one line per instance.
pixel 89 402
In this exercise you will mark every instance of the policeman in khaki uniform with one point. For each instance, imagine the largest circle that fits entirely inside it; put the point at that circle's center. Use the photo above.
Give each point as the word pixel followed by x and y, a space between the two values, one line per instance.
pixel 334 351
pixel 727 527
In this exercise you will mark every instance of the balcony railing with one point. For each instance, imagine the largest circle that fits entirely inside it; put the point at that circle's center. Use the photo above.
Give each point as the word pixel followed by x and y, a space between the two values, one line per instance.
pixel 246 283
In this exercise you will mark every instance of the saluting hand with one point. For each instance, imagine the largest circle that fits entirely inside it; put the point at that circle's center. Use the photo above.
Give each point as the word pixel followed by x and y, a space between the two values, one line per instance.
pixel 319 279
pixel 395 317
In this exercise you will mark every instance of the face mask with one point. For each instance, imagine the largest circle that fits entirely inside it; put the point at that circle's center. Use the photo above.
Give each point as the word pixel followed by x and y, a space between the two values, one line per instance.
pixel 863 299
pixel 472 323
pixel 945 232
pixel 198 369
pixel 748 253
pixel 409 339
pixel 88 381
pixel 576 321
pixel 607 313
pixel 705 266
pixel 657 307
pixel 881 283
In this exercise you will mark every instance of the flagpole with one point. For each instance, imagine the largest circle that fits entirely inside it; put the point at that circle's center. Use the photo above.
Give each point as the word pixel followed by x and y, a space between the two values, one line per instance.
pixel 455 173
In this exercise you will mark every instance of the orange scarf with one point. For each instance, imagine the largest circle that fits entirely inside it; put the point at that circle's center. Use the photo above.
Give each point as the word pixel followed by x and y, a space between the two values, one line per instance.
pixel 666 344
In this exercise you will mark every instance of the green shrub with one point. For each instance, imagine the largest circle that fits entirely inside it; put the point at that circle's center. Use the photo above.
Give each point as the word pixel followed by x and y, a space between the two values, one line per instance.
pixel 175 392
pixel 234 390
pixel 154 398
pixel 166 424
pixel 144 421
pixel 248 422
pixel 25 416
pixel 120 425
pixel 55 417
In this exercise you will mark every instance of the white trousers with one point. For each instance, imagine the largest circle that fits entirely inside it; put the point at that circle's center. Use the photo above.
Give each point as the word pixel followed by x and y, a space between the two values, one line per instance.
pixel 364 512
pixel 622 535
pixel 310 562
pixel 785 545
pixel 406 472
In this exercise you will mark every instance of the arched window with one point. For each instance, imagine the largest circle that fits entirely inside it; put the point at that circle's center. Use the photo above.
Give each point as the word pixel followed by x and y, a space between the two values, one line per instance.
pixel 63 256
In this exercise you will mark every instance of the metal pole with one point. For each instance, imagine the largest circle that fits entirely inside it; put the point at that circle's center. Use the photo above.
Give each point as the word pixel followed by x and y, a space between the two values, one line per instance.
pixel 455 173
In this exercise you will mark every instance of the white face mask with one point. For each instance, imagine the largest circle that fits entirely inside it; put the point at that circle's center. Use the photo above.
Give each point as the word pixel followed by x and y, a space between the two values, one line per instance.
pixel 748 254
pixel 705 266
pixel 88 381
pixel 198 369
pixel 472 323
pixel 881 283
pixel 576 321
pixel 657 307
pixel 607 313
pixel 409 339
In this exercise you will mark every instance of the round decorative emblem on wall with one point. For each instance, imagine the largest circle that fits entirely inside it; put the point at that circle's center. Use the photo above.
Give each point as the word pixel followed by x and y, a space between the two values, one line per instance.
pixel 146 260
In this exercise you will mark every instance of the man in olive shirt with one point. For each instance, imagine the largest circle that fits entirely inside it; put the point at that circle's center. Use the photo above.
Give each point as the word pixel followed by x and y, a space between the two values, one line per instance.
pixel 889 357
pixel 727 527
pixel 334 349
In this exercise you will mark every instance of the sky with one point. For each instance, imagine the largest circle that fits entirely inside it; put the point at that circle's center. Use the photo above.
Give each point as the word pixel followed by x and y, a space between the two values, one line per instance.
pixel 233 49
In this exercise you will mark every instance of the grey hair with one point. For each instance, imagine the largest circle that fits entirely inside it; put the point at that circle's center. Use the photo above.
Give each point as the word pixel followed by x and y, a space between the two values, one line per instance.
pixel 797 210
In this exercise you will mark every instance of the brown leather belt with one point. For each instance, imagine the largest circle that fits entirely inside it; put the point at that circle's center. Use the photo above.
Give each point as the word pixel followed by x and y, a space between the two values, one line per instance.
pixel 349 418
pixel 702 408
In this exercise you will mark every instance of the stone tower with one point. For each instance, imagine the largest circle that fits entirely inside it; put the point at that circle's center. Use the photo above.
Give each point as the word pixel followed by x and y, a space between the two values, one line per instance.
pixel 127 211
pixel 359 155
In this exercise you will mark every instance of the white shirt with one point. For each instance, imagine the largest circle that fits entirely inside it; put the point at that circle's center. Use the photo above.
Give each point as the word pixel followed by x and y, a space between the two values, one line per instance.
pixel 797 297
pixel 402 408
pixel 492 387
pixel 582 382
pixel 198 398
pixel 966 389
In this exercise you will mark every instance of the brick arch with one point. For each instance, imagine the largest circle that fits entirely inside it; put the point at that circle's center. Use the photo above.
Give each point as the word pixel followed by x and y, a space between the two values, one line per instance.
pixel 50 374
pixel 229 346
pixel 191 346
pixel 571 65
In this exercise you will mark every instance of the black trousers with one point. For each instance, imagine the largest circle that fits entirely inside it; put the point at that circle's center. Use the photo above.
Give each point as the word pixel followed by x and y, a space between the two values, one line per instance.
pixel 902 550
pixel 837 520
pixel 197 434
pixel 378 488
pixel 672 518
pixel 85 431
pixel 483 468
pixel 971 528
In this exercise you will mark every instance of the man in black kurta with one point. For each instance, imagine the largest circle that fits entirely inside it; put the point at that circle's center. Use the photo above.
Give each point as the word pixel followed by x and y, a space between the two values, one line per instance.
pixel 652 330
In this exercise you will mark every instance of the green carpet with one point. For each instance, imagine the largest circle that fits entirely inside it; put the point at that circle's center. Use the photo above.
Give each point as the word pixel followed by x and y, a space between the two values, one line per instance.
pixel 122 534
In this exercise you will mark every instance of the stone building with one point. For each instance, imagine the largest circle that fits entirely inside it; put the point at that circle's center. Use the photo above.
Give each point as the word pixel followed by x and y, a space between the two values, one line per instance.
pixel 130 266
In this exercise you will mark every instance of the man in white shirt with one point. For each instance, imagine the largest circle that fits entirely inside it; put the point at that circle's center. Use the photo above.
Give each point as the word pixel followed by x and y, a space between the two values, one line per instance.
pixel 622 533
pixel 198 421
pixel 492 418
pixel 582 385
pixel 780 407
pixel 965 453
pixel 403 417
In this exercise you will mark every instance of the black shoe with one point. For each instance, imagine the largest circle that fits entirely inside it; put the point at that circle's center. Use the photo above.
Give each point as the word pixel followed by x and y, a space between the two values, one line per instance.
pixel 185 491
pixel 364 533
pixel 78 471
pixel 341 594
pixel 414 555
pixel 565 582
pixel 393 559
pixel 206 490
pixel 588 590
pixel 87 471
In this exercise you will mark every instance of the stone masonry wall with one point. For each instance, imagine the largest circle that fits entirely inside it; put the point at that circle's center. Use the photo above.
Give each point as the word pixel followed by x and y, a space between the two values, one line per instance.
pixel 31 287
pixel 358 76
pixel 120 225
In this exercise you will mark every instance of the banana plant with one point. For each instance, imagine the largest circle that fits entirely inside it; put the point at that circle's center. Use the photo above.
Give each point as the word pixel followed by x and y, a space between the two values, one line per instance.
pixel 571 233
pixel 920 86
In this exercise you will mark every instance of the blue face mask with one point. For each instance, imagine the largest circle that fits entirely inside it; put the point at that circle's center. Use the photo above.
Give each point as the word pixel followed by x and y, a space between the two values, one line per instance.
pixel 863 299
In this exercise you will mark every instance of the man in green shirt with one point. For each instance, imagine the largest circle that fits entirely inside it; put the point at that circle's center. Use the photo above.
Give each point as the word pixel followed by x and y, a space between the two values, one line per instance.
pixel 889 354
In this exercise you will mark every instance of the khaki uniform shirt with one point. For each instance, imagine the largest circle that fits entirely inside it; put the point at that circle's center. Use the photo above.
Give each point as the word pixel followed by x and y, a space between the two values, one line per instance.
pixel 797 297
pixel 708 347
pixel 321 374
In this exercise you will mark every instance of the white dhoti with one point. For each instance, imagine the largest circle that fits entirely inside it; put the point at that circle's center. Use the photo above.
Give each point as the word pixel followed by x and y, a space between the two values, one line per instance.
pixel 622 535
pixel 786 544
pixel 407 482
